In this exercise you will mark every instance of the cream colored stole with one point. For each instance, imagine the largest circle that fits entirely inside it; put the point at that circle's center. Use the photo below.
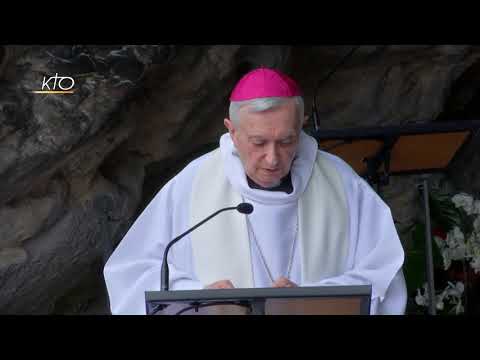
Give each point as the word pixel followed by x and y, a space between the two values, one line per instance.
pixel 221 247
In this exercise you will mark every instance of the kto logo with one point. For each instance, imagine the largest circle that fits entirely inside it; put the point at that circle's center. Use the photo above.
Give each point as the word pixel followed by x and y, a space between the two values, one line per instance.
pixel 57 85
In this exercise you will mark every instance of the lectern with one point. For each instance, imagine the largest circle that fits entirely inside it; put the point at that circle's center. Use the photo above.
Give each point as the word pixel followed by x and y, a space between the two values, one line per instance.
pixel 319 300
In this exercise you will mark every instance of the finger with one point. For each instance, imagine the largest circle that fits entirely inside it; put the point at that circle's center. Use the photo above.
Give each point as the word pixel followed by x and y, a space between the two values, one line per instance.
pixel 217 285
pixel 281 281
pixel 278 284
pixel 225 284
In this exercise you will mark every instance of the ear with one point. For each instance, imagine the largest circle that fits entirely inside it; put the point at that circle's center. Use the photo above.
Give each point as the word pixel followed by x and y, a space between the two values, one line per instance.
pixel 305 120
pixel 231 129
pixel 229 125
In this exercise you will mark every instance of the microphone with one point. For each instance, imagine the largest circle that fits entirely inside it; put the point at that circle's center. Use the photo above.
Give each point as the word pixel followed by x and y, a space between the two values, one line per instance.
pixel 243 208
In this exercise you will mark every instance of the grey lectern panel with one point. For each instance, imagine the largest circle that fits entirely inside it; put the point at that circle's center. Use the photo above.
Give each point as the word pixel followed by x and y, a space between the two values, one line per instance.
pixel 322 300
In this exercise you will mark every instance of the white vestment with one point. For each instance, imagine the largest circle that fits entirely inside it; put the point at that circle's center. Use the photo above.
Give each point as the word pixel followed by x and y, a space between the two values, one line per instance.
pixel 373 252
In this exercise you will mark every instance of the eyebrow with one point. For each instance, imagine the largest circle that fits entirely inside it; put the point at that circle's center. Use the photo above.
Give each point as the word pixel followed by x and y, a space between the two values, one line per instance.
pixel 261 138
pixel 256 137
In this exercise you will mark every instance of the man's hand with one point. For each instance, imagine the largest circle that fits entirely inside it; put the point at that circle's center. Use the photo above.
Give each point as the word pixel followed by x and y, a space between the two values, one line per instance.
pixel 283 282
pixel 221 284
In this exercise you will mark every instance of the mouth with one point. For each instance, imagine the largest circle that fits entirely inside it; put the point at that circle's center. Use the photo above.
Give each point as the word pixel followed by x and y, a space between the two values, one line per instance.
pixel 271 171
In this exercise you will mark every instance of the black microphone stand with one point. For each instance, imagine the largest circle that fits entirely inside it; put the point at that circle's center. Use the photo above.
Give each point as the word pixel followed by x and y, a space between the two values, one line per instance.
pixel 244 208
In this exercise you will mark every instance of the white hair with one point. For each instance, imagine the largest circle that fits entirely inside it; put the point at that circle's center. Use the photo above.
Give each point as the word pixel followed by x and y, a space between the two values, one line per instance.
pixel 264 104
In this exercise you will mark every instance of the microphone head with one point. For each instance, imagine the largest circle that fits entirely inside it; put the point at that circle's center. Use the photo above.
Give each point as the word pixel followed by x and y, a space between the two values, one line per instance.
pixel 245 208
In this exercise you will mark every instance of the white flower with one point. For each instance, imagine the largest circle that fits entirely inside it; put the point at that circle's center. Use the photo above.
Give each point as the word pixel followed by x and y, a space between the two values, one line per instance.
pixel 458 253
pixel 476 249
pixel 476 207
pixel 454 292
pixel 455 237
pixel 476 224
pixel 459 288
pixel 475 264
pixel 463 201
pixel 447 260
pixel 455 248
pixel 458 235
pixel 439 241
pixel 451 295
pixel 439 298
pixel 420 299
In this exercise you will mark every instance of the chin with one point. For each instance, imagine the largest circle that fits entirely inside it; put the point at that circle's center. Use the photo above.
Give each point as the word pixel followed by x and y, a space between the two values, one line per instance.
pixel 271 183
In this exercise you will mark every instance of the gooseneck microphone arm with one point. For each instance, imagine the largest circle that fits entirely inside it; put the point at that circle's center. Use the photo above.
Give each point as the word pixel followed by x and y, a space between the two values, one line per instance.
pixel 244 208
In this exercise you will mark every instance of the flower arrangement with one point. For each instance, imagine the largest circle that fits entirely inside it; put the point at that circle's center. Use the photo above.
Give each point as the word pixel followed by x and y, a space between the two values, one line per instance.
pixel 462 242
pixel 456 235
pixel 451 295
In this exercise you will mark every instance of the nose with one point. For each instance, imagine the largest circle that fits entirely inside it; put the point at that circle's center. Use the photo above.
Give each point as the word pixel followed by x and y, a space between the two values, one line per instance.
pixel 272 156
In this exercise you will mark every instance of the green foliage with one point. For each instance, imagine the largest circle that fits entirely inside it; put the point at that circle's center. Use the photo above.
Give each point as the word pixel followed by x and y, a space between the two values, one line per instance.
pixel 415 260
pixel 414 266
pixel 443 212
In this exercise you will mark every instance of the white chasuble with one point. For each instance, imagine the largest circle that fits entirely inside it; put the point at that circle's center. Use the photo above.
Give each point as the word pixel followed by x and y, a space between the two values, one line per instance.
pixel 221 247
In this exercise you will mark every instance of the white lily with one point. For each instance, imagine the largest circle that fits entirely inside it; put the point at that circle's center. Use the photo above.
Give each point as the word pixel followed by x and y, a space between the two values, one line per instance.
pixel 458 253
pixel 439 299
pixel 460 288
pixel 420 299
pixel 476 238
pixel 458 235
pixel 470 247
pixel 463 201
pixel 440 242
pixel 447 259
pixel 455 237
pixel 476 207
pixel 453 292
pixel 475 264
pixel 476 224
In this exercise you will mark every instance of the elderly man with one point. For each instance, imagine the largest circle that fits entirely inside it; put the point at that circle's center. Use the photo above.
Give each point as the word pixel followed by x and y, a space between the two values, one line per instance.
pixel 315 221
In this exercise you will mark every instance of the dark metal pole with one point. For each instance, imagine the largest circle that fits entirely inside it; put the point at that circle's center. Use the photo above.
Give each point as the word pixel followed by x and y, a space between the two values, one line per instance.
pixel 429 251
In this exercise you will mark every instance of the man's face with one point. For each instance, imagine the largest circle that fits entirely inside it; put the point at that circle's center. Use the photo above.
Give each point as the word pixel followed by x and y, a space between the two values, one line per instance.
pixel 266 142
